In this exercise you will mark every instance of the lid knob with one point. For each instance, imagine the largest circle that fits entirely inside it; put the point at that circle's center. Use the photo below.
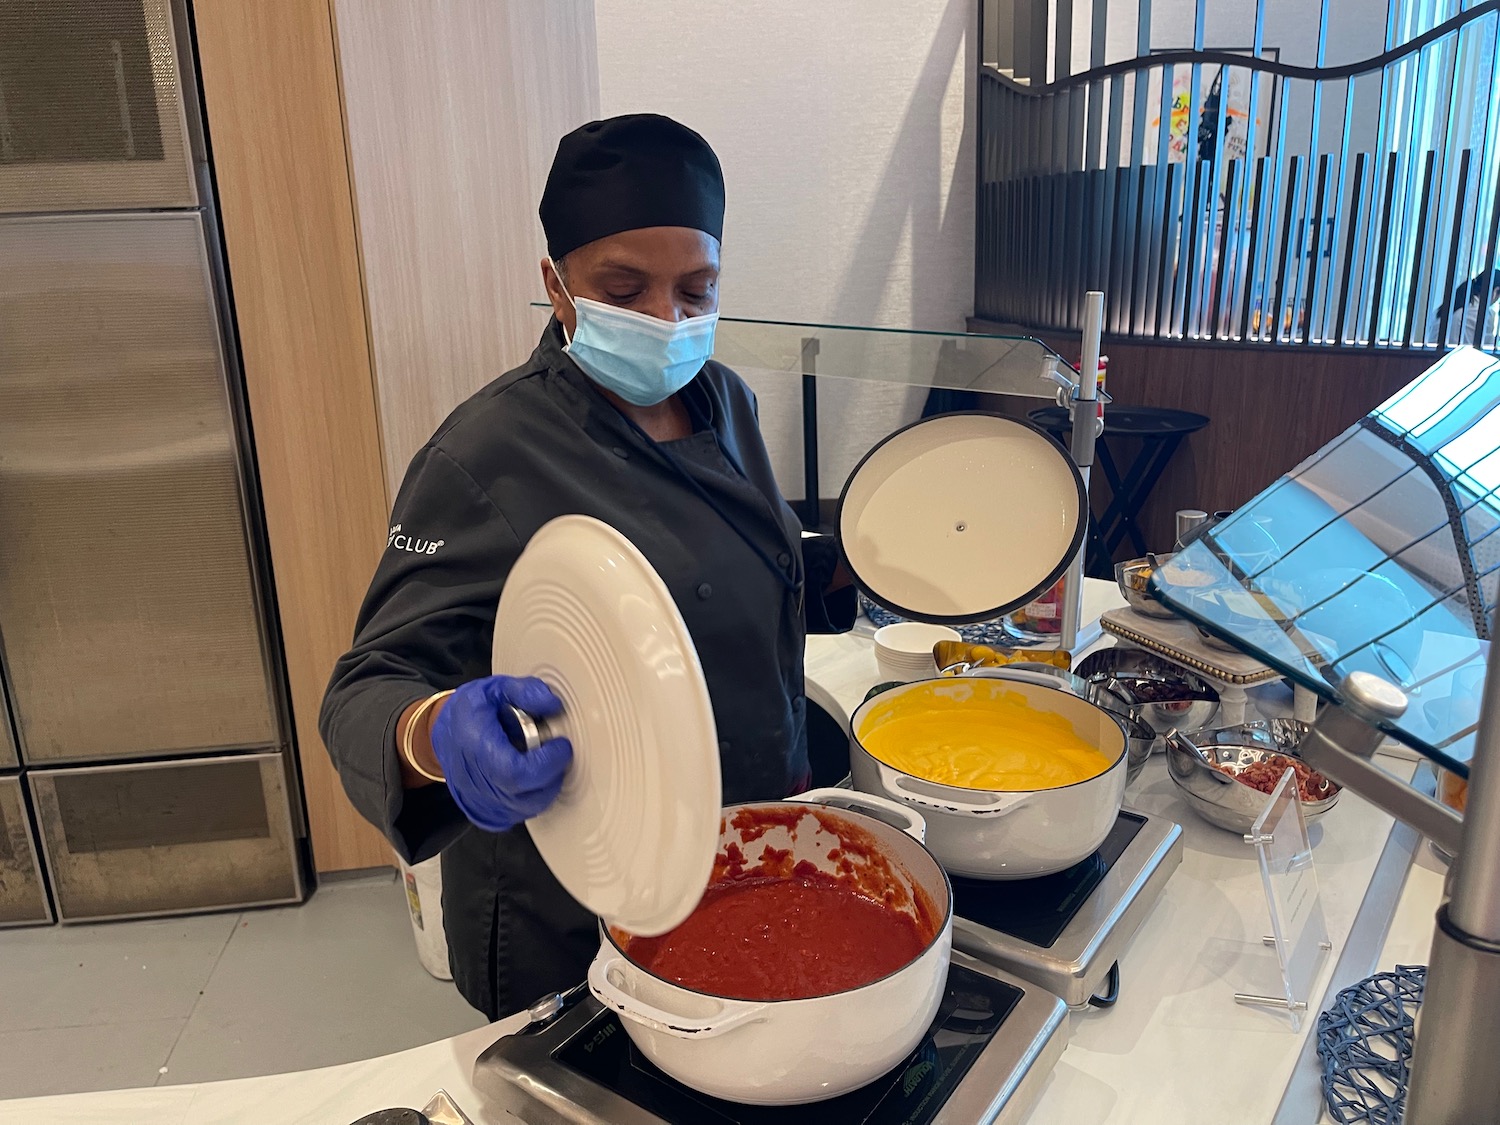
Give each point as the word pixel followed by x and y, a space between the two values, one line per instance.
pixel 1372 698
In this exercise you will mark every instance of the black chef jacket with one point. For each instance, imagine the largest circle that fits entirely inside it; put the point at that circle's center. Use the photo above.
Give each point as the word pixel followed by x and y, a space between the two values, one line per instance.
pixel 538 443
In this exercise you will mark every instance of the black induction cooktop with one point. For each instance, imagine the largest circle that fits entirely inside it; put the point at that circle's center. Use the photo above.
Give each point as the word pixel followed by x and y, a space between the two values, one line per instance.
pixel 972 1011
pixel 1039 910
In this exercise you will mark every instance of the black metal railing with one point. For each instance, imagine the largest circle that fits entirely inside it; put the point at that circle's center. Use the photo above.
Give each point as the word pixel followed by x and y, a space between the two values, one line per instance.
pixel 1224 196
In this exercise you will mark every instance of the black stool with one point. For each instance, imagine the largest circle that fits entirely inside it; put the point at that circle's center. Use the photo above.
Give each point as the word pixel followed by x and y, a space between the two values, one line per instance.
pixel 1160 432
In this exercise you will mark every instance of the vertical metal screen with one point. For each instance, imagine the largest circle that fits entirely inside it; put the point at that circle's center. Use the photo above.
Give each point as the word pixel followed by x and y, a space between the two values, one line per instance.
pixel 1216 189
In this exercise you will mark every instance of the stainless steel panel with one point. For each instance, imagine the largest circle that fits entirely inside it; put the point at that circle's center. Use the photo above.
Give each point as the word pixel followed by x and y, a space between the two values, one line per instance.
pixel 1075 966
pixel 8 757
pixel 23 896
pixel 167 837
pixel 91 107
pixel 127 601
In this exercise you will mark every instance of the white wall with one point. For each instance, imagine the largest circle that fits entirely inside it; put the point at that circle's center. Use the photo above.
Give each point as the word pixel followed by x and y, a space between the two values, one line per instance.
pixel 453 110
pixel 845 131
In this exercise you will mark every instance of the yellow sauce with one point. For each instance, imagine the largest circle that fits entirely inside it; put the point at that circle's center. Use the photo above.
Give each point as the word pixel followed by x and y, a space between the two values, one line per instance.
pixel 979 735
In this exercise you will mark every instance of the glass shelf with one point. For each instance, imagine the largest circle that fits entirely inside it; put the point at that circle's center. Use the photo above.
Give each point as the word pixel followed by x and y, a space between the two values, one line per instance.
pixel 1378 553
pixel 827 394
pixel 954 361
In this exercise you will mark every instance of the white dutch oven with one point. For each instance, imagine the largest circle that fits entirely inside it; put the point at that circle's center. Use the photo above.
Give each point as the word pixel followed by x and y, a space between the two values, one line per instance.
pixel 995 834
pixel 787 1052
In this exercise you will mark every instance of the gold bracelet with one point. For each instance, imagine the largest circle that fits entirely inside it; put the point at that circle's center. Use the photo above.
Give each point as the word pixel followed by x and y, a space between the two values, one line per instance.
pixel 408 750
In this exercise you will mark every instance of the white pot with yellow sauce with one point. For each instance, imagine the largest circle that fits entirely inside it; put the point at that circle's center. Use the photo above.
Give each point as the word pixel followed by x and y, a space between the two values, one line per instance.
pixel 1014 779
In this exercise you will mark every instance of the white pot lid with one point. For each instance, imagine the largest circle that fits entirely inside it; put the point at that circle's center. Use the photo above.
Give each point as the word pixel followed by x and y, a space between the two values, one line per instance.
pixel 633 834
pixel 961 517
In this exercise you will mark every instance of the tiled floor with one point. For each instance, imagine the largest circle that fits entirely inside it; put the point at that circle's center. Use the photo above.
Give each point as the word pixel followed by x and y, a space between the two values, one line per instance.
pixel 223 996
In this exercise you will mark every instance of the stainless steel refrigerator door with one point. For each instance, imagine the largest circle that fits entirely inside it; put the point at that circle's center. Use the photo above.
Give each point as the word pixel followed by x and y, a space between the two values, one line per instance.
pixel 127 601
pixel 23 897
pixel 8 758
pixel 167 837
pixel 91 107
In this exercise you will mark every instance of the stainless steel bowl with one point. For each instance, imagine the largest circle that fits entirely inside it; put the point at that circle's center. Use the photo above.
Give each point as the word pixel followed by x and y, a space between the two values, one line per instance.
pixel 1284 736
pixel 1219 798
pixel 1161 694
pixel 1131 577
pixel 1140 743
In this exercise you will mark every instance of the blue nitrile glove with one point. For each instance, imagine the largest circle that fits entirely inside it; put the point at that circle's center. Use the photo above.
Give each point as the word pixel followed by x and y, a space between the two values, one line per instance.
pixel 495 784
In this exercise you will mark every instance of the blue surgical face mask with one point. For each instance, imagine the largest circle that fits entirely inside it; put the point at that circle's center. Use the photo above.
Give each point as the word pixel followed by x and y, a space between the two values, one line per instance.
pixel 640 358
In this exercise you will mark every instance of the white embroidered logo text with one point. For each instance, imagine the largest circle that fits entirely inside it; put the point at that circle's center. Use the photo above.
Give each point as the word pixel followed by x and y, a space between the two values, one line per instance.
pixel 412 544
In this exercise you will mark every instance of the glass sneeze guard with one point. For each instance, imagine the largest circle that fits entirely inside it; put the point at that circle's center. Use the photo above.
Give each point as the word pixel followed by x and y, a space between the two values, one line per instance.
pixel 1379 553
pixel 829 393
pixel 955 361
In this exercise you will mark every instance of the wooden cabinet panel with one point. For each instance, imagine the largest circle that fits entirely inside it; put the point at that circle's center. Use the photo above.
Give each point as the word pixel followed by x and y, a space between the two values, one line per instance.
pixel 270 86
pixel 379 167
pixel 453 113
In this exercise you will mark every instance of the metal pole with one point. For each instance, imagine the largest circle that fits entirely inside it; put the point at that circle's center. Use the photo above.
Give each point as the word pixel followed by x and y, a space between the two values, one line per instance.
pixel 1088 384
pixel 1062 51
pixel 1085 430
pixel 1475 907
pixel 984 217
pixel 812 513
pixel 1454 1076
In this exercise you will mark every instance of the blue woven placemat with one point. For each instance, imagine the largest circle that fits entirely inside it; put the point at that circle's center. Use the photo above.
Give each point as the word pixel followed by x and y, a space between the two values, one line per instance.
pixel 1364 1040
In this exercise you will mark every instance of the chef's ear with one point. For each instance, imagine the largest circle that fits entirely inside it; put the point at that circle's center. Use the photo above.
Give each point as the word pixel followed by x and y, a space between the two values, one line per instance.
pixel 554 279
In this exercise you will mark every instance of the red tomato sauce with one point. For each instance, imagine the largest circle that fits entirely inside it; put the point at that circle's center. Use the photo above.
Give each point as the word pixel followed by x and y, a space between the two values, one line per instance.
pixel 784 930
pixel 781 939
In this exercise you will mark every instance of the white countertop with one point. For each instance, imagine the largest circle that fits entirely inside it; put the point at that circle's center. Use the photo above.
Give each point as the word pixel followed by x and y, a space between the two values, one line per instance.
pixel 334 1095
pixel 1149 1058
pixel 1153 1058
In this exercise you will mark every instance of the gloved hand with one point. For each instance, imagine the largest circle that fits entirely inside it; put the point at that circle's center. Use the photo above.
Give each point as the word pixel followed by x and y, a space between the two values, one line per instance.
pixel 495 784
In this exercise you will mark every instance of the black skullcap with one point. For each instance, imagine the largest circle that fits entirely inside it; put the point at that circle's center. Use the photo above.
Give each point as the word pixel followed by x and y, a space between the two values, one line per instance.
pixel 625 173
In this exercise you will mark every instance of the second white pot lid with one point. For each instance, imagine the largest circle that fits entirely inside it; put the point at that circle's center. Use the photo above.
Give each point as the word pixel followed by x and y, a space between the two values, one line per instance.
pixel 961 517
pixel 633 834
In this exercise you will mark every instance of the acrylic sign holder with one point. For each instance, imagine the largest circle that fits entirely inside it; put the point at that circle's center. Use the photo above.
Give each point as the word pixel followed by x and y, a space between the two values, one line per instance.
pixel 1299 931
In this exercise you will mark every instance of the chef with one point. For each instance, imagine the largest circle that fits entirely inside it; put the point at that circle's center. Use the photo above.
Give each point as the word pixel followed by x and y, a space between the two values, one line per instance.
pixel 619 414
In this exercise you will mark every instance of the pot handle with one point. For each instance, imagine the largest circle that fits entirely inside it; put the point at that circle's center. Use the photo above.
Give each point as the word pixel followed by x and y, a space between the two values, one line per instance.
pixel 731 1013
pixel 897 784
pixel 883 808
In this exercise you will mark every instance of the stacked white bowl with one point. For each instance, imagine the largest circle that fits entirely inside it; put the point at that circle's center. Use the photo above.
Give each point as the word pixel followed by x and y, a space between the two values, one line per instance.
pixel 904 650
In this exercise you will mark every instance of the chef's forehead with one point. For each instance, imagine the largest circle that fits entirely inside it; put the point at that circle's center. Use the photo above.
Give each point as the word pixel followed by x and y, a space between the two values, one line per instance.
pixel 648 252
